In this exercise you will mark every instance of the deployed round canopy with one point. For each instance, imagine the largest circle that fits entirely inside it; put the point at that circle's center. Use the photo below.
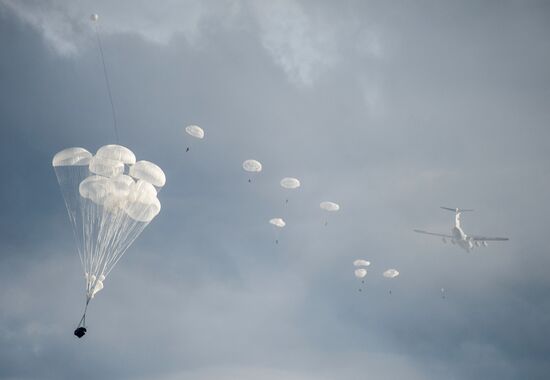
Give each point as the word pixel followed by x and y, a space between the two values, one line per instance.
pixel 94 17
pixel 391 273
pixel 329 206
pixel 290 183
pixel 148 172
pixel 195 131
pixel 110 199
pixel 278 222
pixel 252 166
pixel 360 273
pixel 361 263
pixel 72 157
pixel 117 153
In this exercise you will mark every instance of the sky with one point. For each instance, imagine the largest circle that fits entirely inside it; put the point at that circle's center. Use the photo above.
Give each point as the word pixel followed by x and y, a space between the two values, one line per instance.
pixel 391 109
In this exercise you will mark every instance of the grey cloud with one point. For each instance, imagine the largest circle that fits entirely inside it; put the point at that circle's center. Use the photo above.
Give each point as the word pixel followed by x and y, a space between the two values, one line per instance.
pixel 303 45
pixel 456 117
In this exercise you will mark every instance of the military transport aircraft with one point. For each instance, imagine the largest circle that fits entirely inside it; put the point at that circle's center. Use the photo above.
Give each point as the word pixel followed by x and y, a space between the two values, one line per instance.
pixel 459 237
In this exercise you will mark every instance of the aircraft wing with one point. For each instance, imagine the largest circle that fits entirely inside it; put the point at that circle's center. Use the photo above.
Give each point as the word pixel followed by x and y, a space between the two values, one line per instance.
pixel 433 233
pixel 485 238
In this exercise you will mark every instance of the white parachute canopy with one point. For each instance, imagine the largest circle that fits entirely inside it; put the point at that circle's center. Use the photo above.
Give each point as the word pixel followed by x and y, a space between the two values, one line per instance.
pixel 391 273
pixel 361 263
pixel 290 183
pixel 278 222
pixel 252 166
pixel 110 199
pixel 329 206
pixel 360 273
pixel 195 131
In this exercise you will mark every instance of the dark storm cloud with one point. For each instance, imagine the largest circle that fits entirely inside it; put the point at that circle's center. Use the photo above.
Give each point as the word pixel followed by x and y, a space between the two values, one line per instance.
pixel 390 110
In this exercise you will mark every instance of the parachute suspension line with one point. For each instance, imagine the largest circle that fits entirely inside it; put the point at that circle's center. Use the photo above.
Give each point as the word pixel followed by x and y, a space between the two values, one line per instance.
pixel 107 80
pixel 82 322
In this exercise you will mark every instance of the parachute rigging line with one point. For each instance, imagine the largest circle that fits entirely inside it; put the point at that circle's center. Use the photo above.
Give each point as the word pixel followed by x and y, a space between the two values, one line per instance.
pixel 106 78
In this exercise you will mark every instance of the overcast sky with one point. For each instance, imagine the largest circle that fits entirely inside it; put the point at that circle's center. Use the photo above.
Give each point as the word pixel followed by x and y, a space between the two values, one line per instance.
pixel 391 110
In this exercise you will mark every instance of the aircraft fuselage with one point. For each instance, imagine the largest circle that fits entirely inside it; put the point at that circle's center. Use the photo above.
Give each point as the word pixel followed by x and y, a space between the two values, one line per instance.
pixel 461 238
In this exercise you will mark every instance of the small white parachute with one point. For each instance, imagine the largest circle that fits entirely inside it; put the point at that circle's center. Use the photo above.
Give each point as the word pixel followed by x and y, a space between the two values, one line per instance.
pixel 391 273
pixel 252 166
pixel 361 263
pixel 195 131
pixel 360 273
pixel 94 17
pixel 329 206
pixel 290 183
pixel 278 222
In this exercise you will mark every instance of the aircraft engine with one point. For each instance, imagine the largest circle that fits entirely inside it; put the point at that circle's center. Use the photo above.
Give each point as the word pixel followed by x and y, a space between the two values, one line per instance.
pixel 485 244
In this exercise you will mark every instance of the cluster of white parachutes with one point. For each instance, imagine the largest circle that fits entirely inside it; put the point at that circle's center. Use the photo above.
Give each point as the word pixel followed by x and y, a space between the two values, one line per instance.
pixel 110 198
pixel 289 183
pixel 361 271
pixel 254 166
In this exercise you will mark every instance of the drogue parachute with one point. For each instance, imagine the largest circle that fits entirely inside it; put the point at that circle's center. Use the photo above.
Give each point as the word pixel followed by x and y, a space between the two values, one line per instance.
pixel 110 199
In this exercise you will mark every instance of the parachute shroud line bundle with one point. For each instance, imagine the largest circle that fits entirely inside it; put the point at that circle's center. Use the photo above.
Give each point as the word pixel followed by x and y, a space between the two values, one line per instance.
pixel 110 199
pixel 95 18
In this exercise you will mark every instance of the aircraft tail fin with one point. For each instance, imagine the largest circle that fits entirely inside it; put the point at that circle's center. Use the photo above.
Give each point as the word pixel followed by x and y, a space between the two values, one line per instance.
pixel 457 210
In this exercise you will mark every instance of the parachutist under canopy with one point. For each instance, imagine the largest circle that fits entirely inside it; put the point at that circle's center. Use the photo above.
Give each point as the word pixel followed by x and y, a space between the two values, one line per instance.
pixel 187 150
pixel 249 180
pixel 80 332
